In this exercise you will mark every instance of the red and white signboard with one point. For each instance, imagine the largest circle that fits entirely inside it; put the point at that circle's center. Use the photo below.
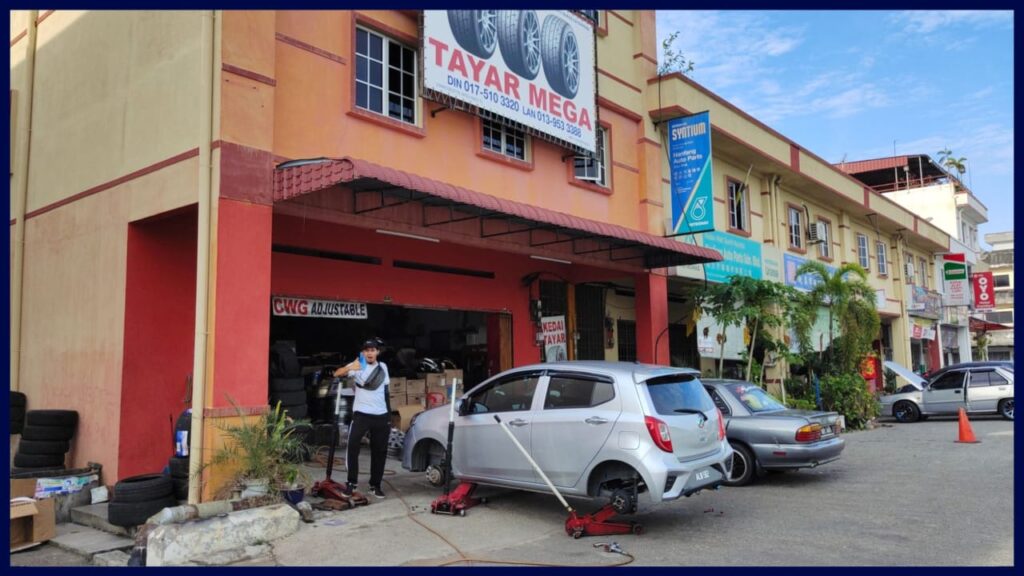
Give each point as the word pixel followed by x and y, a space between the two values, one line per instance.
pixel 555 346
pixel 309 308
pixel 984 291
pixel 535 67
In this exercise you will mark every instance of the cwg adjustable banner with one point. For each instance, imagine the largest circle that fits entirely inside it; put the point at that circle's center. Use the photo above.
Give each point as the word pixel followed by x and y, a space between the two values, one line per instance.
pixel 689 152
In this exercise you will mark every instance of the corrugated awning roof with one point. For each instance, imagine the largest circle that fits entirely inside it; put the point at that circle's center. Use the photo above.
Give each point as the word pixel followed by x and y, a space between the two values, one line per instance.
pixel 391 187
pixel 982 325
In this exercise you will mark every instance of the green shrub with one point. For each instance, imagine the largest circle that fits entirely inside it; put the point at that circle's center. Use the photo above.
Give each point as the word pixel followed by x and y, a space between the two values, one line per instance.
pixel 848 395
pixel 801 403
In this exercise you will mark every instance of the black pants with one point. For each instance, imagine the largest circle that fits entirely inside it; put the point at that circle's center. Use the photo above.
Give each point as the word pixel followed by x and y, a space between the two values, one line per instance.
pixel 379 427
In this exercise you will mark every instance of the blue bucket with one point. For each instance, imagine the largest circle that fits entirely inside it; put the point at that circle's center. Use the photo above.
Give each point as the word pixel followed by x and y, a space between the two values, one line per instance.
pixel 293 496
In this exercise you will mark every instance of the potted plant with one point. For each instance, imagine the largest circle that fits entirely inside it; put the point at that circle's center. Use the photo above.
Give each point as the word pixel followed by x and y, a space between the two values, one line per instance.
pixel 262 449
pixel 294 484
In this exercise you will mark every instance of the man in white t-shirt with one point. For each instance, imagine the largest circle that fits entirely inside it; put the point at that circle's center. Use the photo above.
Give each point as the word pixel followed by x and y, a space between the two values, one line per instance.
pixel 371 413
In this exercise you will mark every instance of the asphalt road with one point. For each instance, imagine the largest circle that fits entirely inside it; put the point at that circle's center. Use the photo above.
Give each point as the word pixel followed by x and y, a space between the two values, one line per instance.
pixel 902 494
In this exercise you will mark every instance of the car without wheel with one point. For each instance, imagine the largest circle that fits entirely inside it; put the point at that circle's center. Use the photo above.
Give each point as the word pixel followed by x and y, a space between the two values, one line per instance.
pixel 597 429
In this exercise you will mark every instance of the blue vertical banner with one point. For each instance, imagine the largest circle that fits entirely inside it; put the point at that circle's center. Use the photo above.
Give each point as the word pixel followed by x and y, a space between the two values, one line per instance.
pixel 689 153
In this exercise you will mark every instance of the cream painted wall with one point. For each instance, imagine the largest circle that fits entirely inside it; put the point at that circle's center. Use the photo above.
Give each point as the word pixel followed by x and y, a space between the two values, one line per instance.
pixel 933 203
pixel 115 92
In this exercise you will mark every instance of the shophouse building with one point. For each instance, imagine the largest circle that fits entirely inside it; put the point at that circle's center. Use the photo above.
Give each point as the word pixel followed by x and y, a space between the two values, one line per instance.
pixel 1000 263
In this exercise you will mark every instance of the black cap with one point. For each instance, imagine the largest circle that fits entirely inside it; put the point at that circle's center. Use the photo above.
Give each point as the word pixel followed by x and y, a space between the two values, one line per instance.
pixel 371 343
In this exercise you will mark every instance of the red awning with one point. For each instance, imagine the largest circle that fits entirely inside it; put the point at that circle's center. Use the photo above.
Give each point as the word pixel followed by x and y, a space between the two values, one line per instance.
pixel 379 187
pixel 982 325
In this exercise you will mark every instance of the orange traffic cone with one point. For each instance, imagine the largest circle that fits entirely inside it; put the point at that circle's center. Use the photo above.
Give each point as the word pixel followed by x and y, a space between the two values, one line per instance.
pixel 966 434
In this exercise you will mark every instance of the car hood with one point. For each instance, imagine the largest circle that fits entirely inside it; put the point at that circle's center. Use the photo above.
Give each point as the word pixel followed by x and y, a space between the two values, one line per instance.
pixel 906 373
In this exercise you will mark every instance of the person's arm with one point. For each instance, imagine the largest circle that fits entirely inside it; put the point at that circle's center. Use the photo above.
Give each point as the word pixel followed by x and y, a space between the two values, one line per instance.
pixel 387 398
pixel 344 370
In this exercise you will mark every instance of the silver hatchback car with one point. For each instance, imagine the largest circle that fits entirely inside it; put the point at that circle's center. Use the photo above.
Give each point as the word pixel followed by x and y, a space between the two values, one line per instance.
pixel 596 429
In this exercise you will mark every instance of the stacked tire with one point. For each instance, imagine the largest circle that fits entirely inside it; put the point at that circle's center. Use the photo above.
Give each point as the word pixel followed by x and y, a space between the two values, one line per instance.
pixel 45 440
pixel 17 412
pixel 291 393
pixel 137 498
pixel 178 466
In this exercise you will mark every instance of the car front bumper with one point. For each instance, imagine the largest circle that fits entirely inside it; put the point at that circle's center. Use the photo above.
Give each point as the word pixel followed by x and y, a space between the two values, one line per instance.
pixel 792 456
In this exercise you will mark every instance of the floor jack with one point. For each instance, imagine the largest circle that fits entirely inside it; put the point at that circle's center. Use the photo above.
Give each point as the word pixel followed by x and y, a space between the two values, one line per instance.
pixel 596 524
pixel 328 488
pixel 461 499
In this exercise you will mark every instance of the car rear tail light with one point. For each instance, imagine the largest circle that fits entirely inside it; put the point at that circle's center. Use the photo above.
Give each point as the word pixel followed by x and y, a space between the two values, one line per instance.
pixel 659 433
pixel 721 425
pixel 809 433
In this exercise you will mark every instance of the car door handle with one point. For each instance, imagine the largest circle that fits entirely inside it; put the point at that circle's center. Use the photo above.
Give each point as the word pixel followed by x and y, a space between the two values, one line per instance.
pixel 517 422
pixel 956 391
pixel 1001 388
pixel 596 420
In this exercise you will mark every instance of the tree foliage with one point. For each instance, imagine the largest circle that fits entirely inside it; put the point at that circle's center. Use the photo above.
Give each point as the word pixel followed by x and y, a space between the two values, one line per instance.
pixel 673 60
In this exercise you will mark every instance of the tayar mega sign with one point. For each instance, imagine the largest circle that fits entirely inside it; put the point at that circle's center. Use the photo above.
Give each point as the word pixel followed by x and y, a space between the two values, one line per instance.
pixel 535 67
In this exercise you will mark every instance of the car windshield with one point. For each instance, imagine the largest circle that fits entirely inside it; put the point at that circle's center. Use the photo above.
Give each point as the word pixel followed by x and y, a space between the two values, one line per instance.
pixel 755 399
pixel 675 394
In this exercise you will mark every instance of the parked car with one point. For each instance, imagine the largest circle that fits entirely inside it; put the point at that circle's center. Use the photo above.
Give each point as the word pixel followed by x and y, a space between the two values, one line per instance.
pixel 1005 364
pixel 765 435
pixel 977 388
pixel 596 429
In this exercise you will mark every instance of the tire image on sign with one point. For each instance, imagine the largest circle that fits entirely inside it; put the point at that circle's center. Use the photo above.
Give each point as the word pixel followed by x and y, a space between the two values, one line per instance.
pixel 475 30
pixel 519 39
pixel 560 53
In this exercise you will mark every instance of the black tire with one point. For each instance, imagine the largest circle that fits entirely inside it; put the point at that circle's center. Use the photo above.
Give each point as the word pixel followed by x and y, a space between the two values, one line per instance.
pixel 287 398
pixel 1006 408
pixel 180 489
pixel 136 513
pixel 17 425
pixel 283 361
pixel 560 54
pixel 475 30
pixel 519 39
pixel 184 422
pixel 278 385
pixel 43 446
pixel 56 418
pixel 906 411
pixel 55 469
pixel 31 432
pixel 144 488
pixel 38 460
pixel 178 466
pixel 296 412
pixel 17 400
pixel 744 466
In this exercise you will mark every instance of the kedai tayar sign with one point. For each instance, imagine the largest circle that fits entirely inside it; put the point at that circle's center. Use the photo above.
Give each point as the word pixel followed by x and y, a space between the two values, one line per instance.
pixel 954 280
pixel 689 152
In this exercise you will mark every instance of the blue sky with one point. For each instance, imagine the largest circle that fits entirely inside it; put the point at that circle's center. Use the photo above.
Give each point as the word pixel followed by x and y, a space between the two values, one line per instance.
pixel 849 83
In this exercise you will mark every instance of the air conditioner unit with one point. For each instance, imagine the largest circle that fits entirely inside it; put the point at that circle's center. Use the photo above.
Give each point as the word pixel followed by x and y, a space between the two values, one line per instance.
pixel 908 269
pixel 816 232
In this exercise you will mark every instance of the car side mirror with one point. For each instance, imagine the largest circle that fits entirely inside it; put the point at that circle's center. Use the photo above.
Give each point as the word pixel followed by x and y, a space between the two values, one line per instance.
pixel 460 406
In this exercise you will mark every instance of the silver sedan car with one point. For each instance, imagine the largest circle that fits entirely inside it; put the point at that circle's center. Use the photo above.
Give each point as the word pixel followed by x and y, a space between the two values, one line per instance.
pixel 596 429
pixel 765 435
pixel 977 388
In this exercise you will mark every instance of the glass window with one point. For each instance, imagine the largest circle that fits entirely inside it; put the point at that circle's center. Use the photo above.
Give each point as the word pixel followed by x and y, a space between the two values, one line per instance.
pixel 883 264
pixel 510 395
pixel 1001 280
pixel 997 379
pixel 679 392
pixel 719 402
pixel 504 140
pixel 862 252
pixel 922 267
pixel 948 381
pixel 796 235
pixel 565 391
pixel 385 73
pixel 754 398
pixel 825 246
pixel 594 168
pixel 737 206
pixel 981 378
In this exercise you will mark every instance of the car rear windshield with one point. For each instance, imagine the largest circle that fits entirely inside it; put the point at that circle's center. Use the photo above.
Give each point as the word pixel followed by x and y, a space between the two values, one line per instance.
pixel 755 399
pixel 679 391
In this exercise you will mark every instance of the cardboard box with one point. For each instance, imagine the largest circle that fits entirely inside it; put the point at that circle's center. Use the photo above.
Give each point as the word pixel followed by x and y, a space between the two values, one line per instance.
pixel 416 399
pixel 403 415
pixel 433 379
pixel 415 386
pixel 397 385
pixel 32 521
pixel 449 374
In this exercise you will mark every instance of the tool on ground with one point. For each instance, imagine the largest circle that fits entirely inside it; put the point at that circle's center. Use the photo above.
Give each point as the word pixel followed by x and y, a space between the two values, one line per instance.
pixel 612 547
pixel 966 433
pixel 595 524
pixel 328 488
pixel 461 499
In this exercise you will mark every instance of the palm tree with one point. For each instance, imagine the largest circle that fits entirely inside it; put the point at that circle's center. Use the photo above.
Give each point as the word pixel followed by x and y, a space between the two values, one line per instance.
pixel 951 162
pixel 837 291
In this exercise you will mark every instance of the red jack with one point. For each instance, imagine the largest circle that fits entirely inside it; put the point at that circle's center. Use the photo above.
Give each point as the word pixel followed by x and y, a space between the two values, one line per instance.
pixel 457 501
pixel 597 524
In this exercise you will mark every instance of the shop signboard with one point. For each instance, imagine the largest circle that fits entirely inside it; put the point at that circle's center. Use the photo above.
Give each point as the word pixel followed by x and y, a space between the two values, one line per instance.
pixel 533 67
pixel 310 308
pixel 710 336
pixel 555 348
pixel 771 264
pixel 984 291
pixel 740 257
pixel 922 331
pixel 689 154
pixel 954 280
pixel 924 303
pixel 804 282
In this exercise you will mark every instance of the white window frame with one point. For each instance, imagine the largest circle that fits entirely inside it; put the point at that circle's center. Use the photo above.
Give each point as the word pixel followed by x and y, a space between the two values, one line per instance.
pixel 507 138
pixel 863 253
pixel 594 169
pixel 825 247
pixel 796 231
pixel 735 190
pixel 882 253
pixel 386 90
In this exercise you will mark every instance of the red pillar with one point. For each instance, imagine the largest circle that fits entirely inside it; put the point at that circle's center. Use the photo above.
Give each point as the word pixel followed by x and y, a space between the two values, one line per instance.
pixel 934 361
pixel 652 319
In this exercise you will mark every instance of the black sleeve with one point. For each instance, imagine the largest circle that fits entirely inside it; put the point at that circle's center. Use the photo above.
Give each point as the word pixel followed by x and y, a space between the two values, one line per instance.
pixel 387 398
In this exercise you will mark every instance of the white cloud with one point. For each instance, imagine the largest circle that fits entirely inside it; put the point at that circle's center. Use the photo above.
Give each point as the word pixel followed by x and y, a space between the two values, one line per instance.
pixel 928 21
